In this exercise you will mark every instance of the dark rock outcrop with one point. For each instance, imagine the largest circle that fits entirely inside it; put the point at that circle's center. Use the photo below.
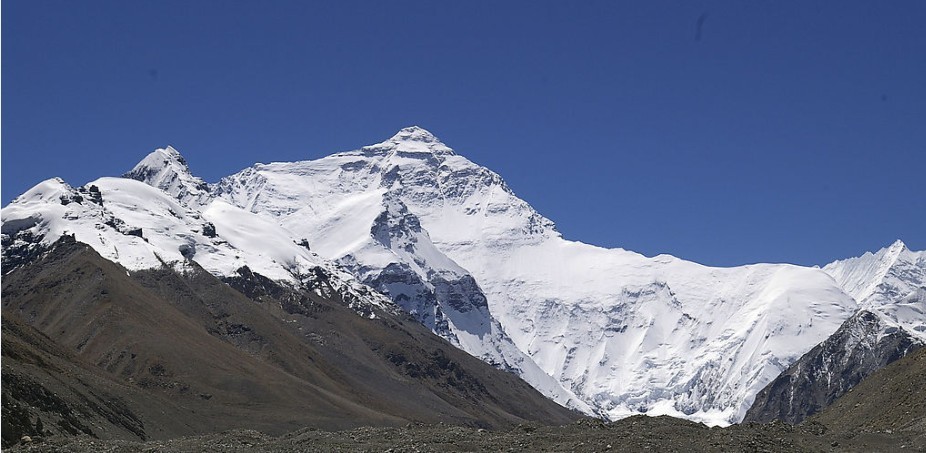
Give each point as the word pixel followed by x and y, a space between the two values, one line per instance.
pixel 861 346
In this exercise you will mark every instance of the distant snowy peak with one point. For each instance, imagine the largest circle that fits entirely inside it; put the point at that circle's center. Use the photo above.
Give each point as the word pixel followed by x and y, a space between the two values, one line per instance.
pixel 167 170
pixel 890 282
pixel 863 277
pixel 462 201
pixel 860 276
pixel 889 287
pixel 412 139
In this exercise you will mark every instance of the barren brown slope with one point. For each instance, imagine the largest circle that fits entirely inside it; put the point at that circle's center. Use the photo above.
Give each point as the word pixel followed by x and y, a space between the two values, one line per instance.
pixel 92 307
pixel 890 401
pixel 268 365
pixel 46 389
pixel 390 363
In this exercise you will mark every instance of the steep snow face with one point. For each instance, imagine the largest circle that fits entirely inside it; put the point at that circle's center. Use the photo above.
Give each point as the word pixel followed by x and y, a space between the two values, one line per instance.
pixel 890 283
pixel 167 170
pixel 625 333
pixel 655 335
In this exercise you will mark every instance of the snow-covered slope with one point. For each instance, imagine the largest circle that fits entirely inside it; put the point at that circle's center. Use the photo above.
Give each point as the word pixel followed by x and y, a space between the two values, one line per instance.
pixel 625 333
pixel 142 227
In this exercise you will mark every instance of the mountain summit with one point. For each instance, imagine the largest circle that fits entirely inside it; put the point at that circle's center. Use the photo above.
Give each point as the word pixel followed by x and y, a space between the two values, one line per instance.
pixel 890 283
pixel 414 139
pixel 415 134
pixel 167 170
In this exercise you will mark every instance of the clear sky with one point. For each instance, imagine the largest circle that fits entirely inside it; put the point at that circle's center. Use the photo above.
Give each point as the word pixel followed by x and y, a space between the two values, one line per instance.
pixel 721 132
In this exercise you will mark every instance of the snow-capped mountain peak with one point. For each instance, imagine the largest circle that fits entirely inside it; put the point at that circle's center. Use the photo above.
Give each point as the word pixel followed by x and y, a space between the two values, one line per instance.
pixel 889 287
pixel 161 215
pixel 415 134
pixel 890 283
pixel 657 336
pixel 898 244
pixel 861 276
pixel 413 139
pixel 166 169
pixel 45 191
pixel 161 160
pixel 893 252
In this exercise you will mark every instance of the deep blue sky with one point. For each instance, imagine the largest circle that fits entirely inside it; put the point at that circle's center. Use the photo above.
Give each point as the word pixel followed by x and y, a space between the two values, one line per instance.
pixel 722 132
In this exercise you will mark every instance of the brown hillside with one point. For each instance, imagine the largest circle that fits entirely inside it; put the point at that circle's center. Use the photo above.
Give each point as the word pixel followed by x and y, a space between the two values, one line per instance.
pixel 221 360
pixel 890 401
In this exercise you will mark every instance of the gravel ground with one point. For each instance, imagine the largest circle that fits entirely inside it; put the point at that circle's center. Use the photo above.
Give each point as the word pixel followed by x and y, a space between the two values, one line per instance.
pixel 637 434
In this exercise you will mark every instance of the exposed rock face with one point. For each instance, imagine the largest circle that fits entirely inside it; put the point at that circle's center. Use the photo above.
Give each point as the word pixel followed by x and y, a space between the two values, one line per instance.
pixel 861 346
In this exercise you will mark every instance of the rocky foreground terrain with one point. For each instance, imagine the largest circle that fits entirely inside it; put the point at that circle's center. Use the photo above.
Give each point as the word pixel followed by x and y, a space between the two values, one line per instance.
pixel 638 433
pixel 886 412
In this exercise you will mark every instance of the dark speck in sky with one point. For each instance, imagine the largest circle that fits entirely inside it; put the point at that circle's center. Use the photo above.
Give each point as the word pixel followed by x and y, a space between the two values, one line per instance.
pixel 699 26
